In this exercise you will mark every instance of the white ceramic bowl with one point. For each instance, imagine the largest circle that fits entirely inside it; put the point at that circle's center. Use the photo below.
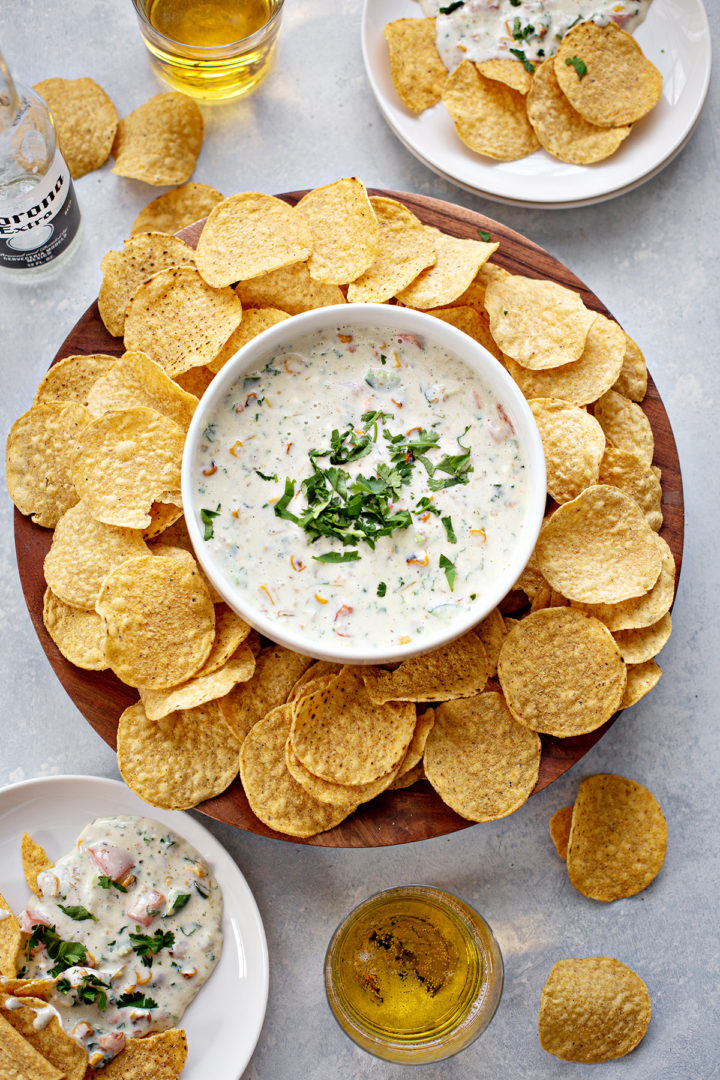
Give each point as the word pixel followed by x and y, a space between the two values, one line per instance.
pixel 255 355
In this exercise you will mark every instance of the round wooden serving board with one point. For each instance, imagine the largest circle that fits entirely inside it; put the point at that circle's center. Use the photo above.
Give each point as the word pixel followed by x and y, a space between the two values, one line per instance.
pixel 396 817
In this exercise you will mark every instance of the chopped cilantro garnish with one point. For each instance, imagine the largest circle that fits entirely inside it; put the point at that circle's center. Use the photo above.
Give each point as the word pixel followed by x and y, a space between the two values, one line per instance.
pixel 180 901
pixel 78 913
pixel 137 999
pixel 447 522
pixel 520 32
pixel 450 571
pixel 473 596
pixel 264 476
pixel 515 3
pixel 484 235
pixel 451 7
pixel 149 945
pixel 67 953
pixel 579 65
pixel 105 883
pixel 381 589
pixel 425 506
pixel 206 516
pixel 523 60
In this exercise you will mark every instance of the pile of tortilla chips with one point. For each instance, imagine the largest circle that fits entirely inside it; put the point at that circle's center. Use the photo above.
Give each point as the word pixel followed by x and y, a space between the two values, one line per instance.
pixel 579 104
pixel 98 458
pixel 30 1048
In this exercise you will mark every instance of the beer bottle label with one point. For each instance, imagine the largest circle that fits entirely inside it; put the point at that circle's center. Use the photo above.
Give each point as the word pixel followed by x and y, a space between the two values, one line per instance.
pixel 38 226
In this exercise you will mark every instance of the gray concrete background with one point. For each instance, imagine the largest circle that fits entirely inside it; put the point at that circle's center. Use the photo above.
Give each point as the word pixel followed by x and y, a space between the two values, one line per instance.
pixel 652 256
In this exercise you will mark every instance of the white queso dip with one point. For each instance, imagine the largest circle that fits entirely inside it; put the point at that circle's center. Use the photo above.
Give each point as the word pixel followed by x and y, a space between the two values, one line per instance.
pixel 365 487
pixel 128 924
pixel 528 30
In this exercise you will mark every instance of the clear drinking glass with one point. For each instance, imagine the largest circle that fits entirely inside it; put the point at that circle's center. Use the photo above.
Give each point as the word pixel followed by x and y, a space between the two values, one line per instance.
pixel 212 50
pixel 413 974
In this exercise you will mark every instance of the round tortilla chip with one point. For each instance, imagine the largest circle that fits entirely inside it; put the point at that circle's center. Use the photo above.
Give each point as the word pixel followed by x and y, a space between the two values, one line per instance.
pixel 125 461
pixel 86 121
pixel 598 548
pixel 455 670
pixel 538 323
pixel 417 72
pixel 63 1056
pixel 195 380
pixel 277 670
pixel 160 1056
pixel 343 228
pixel 489 116
pixel 318 670
pixel 560 674
pixel 641 679
pixel 290 289
pixel 177 209
pixel 202 688
pixel 40 460
pixel 179 761
pixel 274 794
pixel 481 762
pixel 340 735
pixel 594 1009
pixel 617 840
pixel 416 749
pixel 625 425
pixel 10 940
pixel 573 443
pixel 82 554
pixel 560 824
pixel 640 610
pixel 160 621
pixel 72 378
pixel 254 321
pixel 560 129
pixel 159 142
pixel 581 381
pixel 404 249
pixel 250 234
pixel 491 632
pixel 162 516
pixel 179 321
pixel 343 797
pixel 626 472
pixel 620 84
pixel 510 72
pixel 642 644
pixel 125 271
pixel 457 262
pixel 472 322
pixel 137 380
pixel 632 380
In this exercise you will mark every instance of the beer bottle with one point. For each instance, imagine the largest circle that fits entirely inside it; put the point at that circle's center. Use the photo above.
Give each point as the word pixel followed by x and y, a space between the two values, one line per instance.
pixel 39 214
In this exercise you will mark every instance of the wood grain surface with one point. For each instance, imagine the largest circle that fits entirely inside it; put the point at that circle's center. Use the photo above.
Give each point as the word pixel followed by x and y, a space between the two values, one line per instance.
pixel 397 817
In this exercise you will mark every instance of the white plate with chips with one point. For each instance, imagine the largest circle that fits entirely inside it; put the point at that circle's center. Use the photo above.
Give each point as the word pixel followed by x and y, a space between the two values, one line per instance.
pixel 675 37
pixel 223 1023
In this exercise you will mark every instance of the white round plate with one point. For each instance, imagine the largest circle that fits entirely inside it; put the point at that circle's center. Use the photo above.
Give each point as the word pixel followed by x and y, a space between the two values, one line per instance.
pixel 223 1023
pixel 675 36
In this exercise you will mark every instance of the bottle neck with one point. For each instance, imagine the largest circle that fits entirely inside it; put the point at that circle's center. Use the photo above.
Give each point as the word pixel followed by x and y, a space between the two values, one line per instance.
pixel 9 97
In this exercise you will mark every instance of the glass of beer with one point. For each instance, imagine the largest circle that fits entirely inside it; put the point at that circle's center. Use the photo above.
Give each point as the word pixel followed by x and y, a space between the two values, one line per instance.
pixel 213 50
pixel 413 975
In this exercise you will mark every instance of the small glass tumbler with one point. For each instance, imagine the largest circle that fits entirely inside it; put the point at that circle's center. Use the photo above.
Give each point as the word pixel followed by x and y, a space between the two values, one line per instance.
pixel 187 50
pixel 413 975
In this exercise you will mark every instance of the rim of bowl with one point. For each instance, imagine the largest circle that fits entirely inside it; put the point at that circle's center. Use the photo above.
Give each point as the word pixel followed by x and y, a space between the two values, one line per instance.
pixel 255 354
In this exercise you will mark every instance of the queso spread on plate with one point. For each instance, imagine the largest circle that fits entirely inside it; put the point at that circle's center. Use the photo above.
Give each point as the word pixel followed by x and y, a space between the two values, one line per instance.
pixel 388 527
pixel 128 927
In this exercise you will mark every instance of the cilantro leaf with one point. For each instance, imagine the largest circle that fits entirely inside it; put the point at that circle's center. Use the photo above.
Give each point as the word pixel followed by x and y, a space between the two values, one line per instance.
pixel 67 953
pixel 450 571
pixel 264 476
pixel 484 235
pixel 206 516
pixel 149 945
pixel 338 556
pixel 137 999
pixel 447 522
pixel 381 589
pixel 78 913
pixel 451 7
pixel 523 60
pixel 105 883
pixel 180 901
pixel 579 65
